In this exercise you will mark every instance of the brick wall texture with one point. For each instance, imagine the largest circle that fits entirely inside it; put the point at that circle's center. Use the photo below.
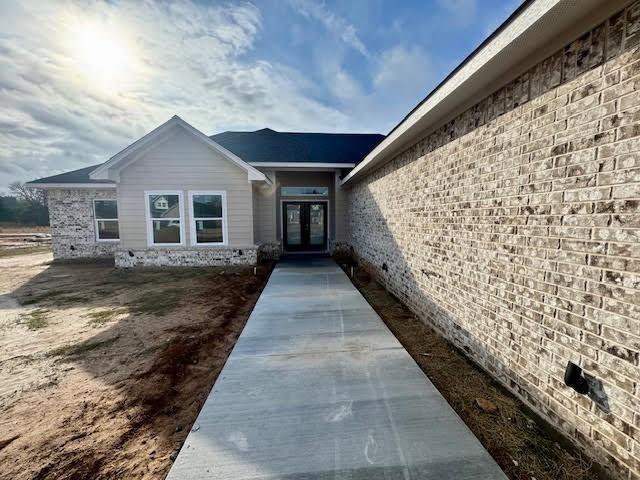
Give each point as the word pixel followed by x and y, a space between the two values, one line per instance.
pixel 514 230
pixel 72 221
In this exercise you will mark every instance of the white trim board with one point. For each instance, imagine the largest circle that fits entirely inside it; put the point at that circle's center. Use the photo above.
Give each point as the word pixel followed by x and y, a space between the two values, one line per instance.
pixel 192 220
pixel 96 220
pixel 149 220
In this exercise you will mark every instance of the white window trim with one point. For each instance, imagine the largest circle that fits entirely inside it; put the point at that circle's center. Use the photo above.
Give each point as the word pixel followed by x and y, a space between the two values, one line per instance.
pixel 96 220
pixel 193 233
pixel 147 213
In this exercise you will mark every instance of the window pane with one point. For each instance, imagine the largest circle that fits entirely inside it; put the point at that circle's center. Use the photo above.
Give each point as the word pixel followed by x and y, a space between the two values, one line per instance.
pixel 316 224
pixel 295 191
pixel 209 231
pixel 207 206
pixel 164 206
pixel 294 228
pixel 108 230
pixel 166 231
pixel 106 208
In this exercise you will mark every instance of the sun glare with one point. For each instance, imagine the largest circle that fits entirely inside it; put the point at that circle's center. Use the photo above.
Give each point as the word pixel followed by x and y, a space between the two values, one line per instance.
pixel 101 56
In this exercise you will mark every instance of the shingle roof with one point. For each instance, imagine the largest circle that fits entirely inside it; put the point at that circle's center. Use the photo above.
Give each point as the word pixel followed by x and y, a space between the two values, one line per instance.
pixel 75 176
pixel 267 145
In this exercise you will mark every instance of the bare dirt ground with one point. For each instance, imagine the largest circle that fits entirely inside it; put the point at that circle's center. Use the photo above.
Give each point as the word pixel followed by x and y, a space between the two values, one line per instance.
pixel 523 444
pixel 103 371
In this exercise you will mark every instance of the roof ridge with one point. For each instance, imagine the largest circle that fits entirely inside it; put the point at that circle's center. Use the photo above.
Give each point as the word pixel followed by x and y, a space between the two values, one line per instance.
pixel 297 133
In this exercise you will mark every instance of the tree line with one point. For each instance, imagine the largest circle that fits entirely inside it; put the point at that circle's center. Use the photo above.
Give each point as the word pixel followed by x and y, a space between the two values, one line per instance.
pixel 24 206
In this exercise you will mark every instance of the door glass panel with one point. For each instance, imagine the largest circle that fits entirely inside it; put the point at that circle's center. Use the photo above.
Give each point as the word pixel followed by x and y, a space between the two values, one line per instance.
pixel 316 224
pixel 294 226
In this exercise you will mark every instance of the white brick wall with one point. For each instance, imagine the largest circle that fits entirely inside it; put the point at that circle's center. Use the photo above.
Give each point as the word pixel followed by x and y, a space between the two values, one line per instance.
pixel 72 221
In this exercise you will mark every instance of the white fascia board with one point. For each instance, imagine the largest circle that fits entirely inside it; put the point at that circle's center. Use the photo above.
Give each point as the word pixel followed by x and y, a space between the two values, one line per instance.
pixel 102 172
pixel 71 185
pixel 536 27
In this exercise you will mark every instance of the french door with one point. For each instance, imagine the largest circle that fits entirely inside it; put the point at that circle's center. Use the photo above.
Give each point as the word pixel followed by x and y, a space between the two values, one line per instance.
pixel 304 226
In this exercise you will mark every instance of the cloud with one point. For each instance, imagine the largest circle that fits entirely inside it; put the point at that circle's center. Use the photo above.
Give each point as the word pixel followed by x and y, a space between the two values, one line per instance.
pixel 462 12
pixel 182 58
pixel 400 76
pixel 335 24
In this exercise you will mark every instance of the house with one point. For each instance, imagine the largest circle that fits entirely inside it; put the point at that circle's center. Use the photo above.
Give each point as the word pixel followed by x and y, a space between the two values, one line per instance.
pixel 504 210
pixel 179 197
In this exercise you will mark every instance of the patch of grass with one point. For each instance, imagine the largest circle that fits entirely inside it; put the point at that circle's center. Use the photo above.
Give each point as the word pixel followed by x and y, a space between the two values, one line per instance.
pixel 12 252
pixel 158 302
pixel 35 319
pixel 81 348
pixel 41 297
pixel 63 300
pixel 164 275
pixel 56 297
pixel 103 316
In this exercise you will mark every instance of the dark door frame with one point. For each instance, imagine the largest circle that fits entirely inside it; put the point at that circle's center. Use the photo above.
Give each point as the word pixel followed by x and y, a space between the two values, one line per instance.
pixel 304 247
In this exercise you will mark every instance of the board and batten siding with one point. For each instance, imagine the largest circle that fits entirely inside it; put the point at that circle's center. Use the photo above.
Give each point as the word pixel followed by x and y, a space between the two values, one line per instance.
pixel 183 163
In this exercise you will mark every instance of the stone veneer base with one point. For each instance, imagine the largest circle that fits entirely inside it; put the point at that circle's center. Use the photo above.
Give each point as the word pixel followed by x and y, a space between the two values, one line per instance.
pixel 195 257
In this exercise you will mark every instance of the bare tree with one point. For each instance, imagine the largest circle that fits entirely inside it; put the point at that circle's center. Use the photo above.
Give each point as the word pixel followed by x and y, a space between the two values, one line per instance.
pixel 33 196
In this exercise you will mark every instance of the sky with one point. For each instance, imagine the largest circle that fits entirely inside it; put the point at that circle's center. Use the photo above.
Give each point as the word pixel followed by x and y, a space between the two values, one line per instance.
pixel 81 80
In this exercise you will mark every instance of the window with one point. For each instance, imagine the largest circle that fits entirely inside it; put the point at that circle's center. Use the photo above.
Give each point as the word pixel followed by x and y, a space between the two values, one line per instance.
pixel 208 218
pixel 304 191
pixel 164 218
pixel 106 218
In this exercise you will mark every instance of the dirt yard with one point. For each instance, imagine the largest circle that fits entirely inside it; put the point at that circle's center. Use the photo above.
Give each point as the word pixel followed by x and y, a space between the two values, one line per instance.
pixel 523 444
pixel 103 371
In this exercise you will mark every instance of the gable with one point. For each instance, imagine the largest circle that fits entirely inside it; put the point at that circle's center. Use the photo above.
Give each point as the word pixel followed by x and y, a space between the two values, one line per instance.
pixel 180 159
pixel 110 170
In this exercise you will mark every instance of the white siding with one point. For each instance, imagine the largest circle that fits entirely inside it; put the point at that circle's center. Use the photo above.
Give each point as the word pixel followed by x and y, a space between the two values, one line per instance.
pixel 182 162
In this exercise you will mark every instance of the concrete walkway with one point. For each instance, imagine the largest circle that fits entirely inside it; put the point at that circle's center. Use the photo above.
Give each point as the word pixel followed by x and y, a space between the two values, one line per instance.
pixel 318 388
